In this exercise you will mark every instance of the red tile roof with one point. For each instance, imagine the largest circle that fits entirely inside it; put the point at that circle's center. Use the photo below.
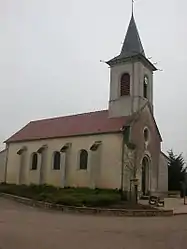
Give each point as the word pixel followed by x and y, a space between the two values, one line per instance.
pixel 81 124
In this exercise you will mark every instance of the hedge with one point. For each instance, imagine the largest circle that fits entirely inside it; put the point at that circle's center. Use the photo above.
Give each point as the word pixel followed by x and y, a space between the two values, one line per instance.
pixel 67 196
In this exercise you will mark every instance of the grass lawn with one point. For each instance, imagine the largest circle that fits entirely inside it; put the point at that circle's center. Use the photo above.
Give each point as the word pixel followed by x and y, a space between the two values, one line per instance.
pixel 71 196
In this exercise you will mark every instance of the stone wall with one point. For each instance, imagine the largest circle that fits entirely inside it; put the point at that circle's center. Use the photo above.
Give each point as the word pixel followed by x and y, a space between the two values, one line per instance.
pixel 92 211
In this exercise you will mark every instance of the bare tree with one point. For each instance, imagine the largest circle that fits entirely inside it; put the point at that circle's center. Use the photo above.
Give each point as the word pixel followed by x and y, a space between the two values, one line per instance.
pixel 130 168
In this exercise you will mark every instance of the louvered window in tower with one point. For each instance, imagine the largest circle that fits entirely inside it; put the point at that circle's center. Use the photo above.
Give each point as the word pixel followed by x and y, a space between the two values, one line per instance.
pixel 145 87
pixel 125 84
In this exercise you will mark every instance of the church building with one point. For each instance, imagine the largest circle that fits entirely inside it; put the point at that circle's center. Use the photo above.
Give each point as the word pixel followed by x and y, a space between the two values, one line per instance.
pixel 104 149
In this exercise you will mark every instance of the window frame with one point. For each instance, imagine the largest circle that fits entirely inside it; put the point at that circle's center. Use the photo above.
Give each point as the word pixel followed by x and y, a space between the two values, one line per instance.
pixel 145 85
pixel 32 161
pixel 147 136
pixel 86 163
pixel 55 153
pixel 125 87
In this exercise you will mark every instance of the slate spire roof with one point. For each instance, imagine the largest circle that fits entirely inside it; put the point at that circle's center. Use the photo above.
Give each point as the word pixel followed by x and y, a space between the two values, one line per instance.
pixel 132 47
pixel 132 44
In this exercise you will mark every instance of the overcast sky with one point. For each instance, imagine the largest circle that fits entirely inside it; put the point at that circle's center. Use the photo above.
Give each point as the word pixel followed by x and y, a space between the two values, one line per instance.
pixel 50 52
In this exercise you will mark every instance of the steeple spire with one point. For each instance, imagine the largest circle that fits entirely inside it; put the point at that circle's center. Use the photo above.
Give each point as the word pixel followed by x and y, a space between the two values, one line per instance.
pixel 132 44
pixel 132 47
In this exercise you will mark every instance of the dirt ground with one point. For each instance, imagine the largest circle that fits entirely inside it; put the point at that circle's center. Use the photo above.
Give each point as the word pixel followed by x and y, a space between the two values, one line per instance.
pixel 24 227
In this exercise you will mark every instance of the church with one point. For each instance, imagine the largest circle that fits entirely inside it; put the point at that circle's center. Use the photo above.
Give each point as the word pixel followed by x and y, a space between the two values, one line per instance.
pixel 108 149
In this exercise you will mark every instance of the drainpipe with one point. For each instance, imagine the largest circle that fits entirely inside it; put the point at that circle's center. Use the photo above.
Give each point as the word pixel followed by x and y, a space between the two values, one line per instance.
pixel 135 176
pixel 122 162
pixel 6 163
pixel 132 102
pixel 124 129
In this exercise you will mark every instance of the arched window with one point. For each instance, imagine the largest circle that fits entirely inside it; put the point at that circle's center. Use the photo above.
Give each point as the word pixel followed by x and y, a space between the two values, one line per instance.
pixel 146 134
pixel 125 84
pixel 145 86
pixel 56 160
pixel 34 161
pixel 83 163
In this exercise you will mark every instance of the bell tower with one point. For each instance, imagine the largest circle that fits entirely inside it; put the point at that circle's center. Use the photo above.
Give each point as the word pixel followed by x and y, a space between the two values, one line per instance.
pixel 131 76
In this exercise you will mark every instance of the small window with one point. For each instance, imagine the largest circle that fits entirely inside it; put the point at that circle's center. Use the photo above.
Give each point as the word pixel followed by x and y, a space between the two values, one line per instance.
pixel 145 87
pixel 83 159
pixel 34 161
pixel 125 84
pixel 56 160
pixel 146 135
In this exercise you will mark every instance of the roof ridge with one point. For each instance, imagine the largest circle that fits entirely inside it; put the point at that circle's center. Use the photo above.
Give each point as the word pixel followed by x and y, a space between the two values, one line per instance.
pixel 67 116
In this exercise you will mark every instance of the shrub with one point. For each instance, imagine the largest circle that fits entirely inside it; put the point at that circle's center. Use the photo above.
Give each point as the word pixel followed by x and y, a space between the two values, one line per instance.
pixel 42 188
pixel 68 200
pixel 102 200
pixel 67 196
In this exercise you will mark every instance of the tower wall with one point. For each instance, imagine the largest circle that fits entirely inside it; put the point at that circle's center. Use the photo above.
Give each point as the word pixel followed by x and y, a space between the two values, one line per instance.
pixel 126 105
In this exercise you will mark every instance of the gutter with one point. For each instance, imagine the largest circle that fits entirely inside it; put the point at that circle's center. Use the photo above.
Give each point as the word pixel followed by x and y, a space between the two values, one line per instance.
pixel 60 137
pixel 122 162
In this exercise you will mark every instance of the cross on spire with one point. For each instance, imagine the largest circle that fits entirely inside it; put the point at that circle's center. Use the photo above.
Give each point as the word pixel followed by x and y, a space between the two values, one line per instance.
pixel 132 7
